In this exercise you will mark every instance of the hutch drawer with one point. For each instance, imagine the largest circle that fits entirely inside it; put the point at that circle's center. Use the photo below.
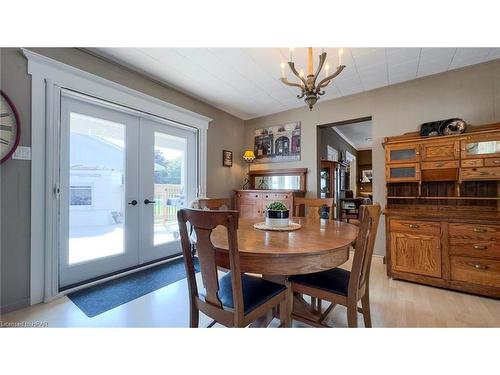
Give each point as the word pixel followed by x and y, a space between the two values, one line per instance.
pixel 479 249
pixel 481 173
pixel 416 227
pixel 472 163
pixel 492 162
pixel 475 270
pixel 439 164
pixel 459 232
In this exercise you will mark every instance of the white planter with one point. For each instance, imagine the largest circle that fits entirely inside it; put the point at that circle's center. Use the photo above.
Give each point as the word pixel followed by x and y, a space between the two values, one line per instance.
pixel 277 223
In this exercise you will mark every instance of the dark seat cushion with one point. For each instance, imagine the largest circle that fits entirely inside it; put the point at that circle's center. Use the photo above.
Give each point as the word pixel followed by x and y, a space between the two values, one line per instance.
pixel 256 291
pixel 335 280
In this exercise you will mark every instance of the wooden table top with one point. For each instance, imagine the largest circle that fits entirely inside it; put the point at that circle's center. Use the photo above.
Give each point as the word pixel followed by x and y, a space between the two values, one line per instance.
pixel 315 236
pixel 319 245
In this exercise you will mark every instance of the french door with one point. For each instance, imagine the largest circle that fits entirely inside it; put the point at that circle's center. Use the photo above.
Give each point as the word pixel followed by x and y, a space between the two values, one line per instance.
pixel 123 177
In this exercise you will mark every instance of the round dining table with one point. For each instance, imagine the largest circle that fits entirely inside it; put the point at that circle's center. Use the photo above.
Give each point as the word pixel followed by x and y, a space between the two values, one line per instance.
pixel 320 244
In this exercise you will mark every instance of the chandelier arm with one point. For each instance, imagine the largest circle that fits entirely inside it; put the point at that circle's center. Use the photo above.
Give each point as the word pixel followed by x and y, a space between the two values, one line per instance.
pixel 322 59
pixel 291 64
pixel 288 83
pixel 327 80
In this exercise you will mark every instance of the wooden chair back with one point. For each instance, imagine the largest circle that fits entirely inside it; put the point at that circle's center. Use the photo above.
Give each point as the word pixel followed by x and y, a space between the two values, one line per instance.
pixel 369 218
pixel 203 222
pixel 214 203
pixel 311 207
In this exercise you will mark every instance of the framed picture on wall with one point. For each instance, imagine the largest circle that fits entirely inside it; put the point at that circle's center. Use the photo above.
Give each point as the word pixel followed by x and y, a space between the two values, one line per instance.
pixel 366 175
pixel 278 143
pixel 227 158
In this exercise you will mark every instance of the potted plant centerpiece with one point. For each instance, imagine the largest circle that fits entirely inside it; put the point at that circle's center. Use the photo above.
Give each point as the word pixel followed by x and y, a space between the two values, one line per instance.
pixel 277 215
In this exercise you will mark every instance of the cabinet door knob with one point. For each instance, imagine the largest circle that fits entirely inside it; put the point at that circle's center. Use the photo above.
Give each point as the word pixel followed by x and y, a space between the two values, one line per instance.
pixel 483 173
pixel 496 161
pixel 439 164
pixel 479 230
pixel 414 226
pixel 480 247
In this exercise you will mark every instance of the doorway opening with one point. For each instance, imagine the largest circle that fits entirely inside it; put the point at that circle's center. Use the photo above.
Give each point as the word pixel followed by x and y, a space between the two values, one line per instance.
pixel 344 157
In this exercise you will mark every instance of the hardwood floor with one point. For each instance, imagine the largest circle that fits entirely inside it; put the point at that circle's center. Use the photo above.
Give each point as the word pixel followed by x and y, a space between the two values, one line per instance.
pixel 393 304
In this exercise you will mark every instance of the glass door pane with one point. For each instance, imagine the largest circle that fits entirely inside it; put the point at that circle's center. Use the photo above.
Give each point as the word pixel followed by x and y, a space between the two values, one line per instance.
pixel 96 190
pixel 169 180
pixel 98 180
pixel 168 169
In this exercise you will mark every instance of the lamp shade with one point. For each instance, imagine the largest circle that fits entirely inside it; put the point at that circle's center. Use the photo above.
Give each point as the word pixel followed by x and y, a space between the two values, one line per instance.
pixel 249 155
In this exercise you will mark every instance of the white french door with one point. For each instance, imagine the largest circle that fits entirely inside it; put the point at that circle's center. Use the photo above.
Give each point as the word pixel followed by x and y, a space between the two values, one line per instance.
pixel 168 175
pixel 123 176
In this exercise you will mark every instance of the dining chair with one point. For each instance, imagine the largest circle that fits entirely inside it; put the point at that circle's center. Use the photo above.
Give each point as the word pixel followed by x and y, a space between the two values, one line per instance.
pixel 214 203
pixel 342 287
pixel 236 299
pixel 311 207
pixel 208 204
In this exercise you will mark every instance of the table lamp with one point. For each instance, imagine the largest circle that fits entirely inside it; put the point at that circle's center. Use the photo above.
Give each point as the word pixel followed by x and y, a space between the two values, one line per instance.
pixel 249 157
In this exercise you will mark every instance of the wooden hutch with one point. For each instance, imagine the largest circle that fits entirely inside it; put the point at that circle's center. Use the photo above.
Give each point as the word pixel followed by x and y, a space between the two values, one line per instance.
pixel 442 215
pixel 267 186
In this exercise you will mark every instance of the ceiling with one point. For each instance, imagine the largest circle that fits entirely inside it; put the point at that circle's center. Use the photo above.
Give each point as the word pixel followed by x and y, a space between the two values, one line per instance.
pixel 245 81
pixel 359 134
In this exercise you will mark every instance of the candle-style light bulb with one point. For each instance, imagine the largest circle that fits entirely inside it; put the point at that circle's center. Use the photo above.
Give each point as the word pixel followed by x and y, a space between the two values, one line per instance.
pixel 282 69
pixel 310 61
pixel 327 68
pixel 291 53
pixel 341 52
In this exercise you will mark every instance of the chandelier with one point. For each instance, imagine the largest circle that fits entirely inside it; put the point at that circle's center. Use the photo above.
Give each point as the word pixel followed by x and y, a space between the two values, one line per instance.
pixel 307 84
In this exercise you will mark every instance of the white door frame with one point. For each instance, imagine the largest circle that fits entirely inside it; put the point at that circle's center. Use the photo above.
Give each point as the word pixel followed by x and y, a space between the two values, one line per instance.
pixel 48 76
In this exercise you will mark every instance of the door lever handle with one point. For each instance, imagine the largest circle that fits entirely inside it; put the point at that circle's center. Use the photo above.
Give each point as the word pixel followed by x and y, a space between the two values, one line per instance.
pixel 133 203
pixel 147 201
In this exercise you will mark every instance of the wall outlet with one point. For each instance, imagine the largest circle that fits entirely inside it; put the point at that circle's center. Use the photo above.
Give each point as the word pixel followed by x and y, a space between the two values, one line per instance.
pixel 22 153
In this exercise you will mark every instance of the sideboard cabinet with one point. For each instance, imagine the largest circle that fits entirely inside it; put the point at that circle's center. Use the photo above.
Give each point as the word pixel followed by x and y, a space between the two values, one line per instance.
pixel 267 186
pixel 251 204
pixel 443 211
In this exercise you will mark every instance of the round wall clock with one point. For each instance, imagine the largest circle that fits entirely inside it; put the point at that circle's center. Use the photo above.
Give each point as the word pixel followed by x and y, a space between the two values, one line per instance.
pixel 9 127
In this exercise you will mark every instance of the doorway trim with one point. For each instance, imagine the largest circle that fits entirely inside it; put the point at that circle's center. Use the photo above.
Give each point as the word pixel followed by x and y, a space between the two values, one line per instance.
pixel 48 77
pixel 332 125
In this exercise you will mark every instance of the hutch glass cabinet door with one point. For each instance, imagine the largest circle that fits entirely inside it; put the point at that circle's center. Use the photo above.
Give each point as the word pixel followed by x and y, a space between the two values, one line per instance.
pixel 481 146
pixel 325 182
pixel 403 153
pixel 403 172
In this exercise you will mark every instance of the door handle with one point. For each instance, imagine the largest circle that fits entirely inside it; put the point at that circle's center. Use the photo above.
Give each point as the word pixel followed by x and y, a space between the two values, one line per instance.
pixel 133 203
pixel 147 201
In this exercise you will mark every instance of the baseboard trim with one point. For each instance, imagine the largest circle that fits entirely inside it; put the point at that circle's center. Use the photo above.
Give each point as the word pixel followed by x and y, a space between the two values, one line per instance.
pixel 25 302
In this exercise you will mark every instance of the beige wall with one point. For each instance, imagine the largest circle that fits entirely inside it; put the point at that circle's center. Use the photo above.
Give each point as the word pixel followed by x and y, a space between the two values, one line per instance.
pixel 224 132
pixel 471 93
